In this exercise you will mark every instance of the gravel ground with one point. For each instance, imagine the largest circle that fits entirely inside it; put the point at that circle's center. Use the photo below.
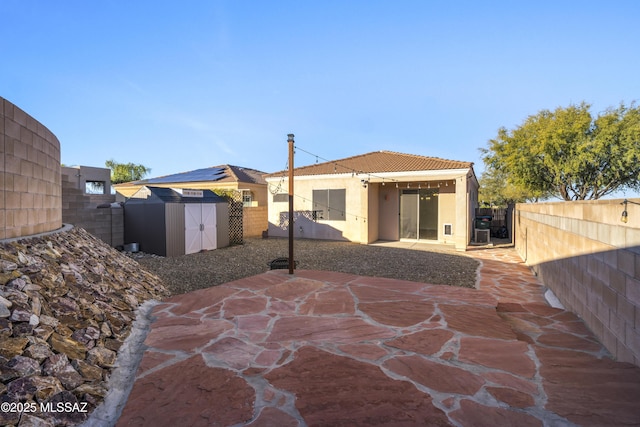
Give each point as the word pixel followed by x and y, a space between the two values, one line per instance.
pixel 202 270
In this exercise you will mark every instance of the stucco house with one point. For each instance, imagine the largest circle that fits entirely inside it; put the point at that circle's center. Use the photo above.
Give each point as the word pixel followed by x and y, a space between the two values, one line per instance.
pixel 380 195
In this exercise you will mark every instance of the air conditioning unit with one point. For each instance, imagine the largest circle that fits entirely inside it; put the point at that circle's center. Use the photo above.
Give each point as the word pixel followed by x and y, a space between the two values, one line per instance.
pixel 482 236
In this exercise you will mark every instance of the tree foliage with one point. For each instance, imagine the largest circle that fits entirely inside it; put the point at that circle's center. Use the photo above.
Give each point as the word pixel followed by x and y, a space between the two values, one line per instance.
pixel 567 153
pixel 126 172
pixel 496 190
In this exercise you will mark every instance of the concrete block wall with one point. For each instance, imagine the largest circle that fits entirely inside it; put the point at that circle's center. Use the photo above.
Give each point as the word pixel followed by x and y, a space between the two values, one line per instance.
pixel 590 259
pixel 255 220
pixel 30 191
pixel 82 211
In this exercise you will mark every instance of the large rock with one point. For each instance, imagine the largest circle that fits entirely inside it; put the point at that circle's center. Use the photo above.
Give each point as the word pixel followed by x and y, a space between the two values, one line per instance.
pixel 72 348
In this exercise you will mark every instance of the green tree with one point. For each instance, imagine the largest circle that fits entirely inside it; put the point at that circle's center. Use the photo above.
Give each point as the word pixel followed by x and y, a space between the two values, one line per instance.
pixel 126 172
pixel 496 190
pixel 567 153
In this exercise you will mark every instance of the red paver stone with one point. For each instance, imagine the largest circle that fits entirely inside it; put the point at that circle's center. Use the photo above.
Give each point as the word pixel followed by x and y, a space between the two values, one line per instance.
pixel 508 356
pixel 424 342
pixel 364 351
pixel 268 357
pixel 272 417
pixel 293 289
pixel 261 281
pixel 398 313
pixel 520 326
pixel 480 321
pixel 330 329
pixel 559 339
pixel 373 294
pixel 512 381
pixel 233 352
pixel 454 294
pixel 477 415
pixel 197 300
pixel 189 393
pixel 151 359
pixel 401 286
pixel 437 376
pixel 243 306
pixel 329 302
pixel 188 337
pixel 511 397
pixel 590 391
pixel 325 276
pixel 283 308
pixel 333 390
pixel 256 323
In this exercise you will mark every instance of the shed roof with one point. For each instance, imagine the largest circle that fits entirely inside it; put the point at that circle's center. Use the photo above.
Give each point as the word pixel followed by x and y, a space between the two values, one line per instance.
pixel 173 195
pixel 378 162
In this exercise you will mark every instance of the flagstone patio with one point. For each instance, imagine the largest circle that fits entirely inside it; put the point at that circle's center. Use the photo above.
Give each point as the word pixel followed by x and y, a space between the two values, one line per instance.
pixel 325 348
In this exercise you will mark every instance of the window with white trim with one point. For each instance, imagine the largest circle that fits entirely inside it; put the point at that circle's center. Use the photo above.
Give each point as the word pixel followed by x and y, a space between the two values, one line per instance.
pixel 332 204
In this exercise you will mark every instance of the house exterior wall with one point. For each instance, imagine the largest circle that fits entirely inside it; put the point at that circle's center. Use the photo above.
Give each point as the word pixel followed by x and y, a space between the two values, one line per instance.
pixel 389 211
pixel 591 262
pixel 373 212
pixel 30 184
pixel 446 212
pixel 350 229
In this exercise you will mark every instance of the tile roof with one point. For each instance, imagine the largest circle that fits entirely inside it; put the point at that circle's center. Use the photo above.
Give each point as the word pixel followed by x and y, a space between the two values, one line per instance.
pixel 222 173
pixel 377 162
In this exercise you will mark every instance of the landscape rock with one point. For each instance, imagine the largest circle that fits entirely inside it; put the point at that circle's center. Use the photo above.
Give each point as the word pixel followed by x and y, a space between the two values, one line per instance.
pixel 72 348
pixel 101 356
pixel 24 366
pixel 67 302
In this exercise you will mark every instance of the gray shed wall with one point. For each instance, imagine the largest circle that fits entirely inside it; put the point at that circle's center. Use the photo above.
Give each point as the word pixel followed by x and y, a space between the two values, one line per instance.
pixel 222 222
pixel 145 225
pixel 175 229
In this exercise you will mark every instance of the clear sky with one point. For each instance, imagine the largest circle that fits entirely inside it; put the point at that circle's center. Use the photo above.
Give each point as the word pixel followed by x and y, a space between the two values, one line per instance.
pixel 183 85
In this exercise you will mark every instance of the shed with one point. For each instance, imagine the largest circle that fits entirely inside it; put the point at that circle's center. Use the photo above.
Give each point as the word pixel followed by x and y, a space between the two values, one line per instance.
pixel 174 222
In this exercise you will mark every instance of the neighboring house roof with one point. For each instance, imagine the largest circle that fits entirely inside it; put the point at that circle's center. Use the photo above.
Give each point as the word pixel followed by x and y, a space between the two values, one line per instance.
pixel 378 162
pixel 222 173
pixel 171 195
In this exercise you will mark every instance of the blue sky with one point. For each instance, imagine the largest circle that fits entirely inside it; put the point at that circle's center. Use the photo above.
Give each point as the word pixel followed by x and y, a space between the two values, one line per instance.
pixel 178 86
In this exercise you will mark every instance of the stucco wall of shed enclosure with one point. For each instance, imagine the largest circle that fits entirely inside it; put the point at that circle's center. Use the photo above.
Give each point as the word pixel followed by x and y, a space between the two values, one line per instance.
pixel 30 189
pixel 590 259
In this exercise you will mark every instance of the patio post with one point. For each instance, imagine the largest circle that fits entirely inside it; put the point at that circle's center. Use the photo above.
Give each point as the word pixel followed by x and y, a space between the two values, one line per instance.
pixel 291 261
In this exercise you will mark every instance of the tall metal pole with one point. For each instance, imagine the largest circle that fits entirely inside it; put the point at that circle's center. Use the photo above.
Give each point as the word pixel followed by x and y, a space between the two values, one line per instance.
pixel 291 260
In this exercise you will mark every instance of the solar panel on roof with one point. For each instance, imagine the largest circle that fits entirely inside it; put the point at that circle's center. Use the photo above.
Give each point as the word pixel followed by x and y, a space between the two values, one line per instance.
pixel 206 174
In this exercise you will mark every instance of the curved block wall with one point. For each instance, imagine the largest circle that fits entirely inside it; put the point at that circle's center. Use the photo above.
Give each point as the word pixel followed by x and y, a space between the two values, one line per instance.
pixel 30 181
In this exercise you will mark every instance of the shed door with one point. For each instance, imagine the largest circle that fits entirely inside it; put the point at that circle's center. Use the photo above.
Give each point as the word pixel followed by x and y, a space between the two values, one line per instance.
pixel 209 235
pixel 199 227
pixel 192 231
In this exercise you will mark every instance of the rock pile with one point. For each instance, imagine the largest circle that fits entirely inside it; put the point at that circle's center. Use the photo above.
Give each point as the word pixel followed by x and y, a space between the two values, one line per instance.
pixel 67 302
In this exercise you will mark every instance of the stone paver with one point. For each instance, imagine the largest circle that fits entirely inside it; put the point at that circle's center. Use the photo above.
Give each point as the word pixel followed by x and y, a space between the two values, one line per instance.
pixel 326 348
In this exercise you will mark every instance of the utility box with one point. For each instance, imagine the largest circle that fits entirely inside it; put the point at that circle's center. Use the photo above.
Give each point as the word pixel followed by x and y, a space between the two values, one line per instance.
pixel 174 222
pixel 483 222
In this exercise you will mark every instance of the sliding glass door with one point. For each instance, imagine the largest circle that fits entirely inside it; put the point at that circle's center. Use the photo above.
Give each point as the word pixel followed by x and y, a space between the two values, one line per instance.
pixel 419 214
